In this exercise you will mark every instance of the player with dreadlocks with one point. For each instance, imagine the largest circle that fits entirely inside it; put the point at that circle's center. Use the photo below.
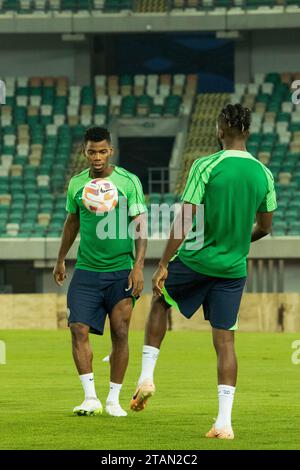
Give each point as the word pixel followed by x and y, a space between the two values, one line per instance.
pixel 235 189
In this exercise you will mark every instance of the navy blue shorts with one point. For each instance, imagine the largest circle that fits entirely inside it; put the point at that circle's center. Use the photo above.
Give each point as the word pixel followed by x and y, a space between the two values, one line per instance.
pixel 187 290
pixel 93 295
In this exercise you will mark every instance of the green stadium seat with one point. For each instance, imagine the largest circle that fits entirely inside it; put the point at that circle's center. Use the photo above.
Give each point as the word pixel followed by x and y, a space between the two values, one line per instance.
pixel 283 117
pixel 38 234
pixel 24 234
pixel 60 204
pixel 46 206
pixel 296 178
pixel 30 216
pixel 294 127
pixel 126 80
pixel 30 187
pixel 16 186
pixel 154 198
pixel 156 111
pixel 273 166
pixel 279 232
pixel 172 104
pixel 293 2
pixel 9 130
pixel 295 205
pixel 11 5
pixel 283 202
pixel 84 5
pixel 287 166
pixel 4 209
pixel 8 235
pixel 280 223
pixel 169 198
pixel 54 234
pixel 27 226
pixel 279 213
pixel 294 228
pixel 70 5
pixel 55 226
pixel 291 215
pixel 17 205
pixel 58 219
pixel 42 190
pixel 15 218
pixel 277 155
pixel 34 197
pixel 128 107
pixel 4 188
pixel 223 3
pixel 19 197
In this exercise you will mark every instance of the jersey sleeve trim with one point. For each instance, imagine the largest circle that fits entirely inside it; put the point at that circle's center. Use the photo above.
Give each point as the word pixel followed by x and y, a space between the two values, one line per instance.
pixel 269 204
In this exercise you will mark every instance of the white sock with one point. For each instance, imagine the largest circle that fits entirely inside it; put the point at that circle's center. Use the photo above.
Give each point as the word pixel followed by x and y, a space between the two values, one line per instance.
pixel 226 396
pixel 150 355
pixel 114 392
pixel 88 384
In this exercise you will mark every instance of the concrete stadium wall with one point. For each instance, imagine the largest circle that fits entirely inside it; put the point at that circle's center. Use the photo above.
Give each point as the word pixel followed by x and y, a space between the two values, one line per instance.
pixel 266 51
pixel 257 51
pixel 24 277
pixel 258 312
pixel 44 55
pixel 26 266
pixel 275 51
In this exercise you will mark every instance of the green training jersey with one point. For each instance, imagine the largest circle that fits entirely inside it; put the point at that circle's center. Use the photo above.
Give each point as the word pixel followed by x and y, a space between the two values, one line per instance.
pixel 105 242
pixel 233 186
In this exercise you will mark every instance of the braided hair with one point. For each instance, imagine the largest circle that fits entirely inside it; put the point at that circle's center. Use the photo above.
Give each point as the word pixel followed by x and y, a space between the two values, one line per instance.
pixel 236 118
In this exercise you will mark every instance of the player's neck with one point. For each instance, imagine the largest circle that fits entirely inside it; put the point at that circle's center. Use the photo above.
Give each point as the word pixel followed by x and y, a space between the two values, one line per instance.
pixel 101 174
pixel 235 145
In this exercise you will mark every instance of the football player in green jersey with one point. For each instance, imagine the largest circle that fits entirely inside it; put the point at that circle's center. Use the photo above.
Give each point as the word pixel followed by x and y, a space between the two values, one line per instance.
pixel 235 189
pixel 108 276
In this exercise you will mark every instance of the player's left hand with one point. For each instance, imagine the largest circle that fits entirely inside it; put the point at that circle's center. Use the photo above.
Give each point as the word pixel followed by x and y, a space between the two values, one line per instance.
pixel 136 281
pixel 158 280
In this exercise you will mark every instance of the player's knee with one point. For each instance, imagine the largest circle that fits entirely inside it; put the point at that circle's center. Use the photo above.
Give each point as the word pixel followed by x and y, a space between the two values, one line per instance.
pixel 120 332
pixel 224 345
pixel 79 332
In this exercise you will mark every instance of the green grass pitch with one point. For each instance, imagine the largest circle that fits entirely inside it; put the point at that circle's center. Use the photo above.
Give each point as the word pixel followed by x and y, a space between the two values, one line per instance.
pixel 39 387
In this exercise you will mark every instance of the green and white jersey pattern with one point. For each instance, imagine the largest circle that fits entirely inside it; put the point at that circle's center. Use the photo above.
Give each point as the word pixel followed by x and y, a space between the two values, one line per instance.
pixel 115 252
pixel 233 186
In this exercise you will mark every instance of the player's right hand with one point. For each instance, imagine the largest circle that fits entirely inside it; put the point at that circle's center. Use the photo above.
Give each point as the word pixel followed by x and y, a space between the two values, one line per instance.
pixel 158 280
pixel 59 273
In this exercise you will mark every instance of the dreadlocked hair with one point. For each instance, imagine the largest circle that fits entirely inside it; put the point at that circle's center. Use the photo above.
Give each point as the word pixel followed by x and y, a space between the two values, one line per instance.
pixel 236 117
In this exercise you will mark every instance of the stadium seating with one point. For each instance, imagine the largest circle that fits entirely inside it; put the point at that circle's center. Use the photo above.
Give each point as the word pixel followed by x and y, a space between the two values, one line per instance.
pixel 139 6
pixel 43 121
pixel 146 6
pixel 274 139
pixel 42 124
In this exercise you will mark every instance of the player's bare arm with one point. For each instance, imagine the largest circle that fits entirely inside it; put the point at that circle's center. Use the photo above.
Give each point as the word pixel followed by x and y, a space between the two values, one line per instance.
pixel 136 277
pixel 70 231
pixel 263 225
pixel 181 226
